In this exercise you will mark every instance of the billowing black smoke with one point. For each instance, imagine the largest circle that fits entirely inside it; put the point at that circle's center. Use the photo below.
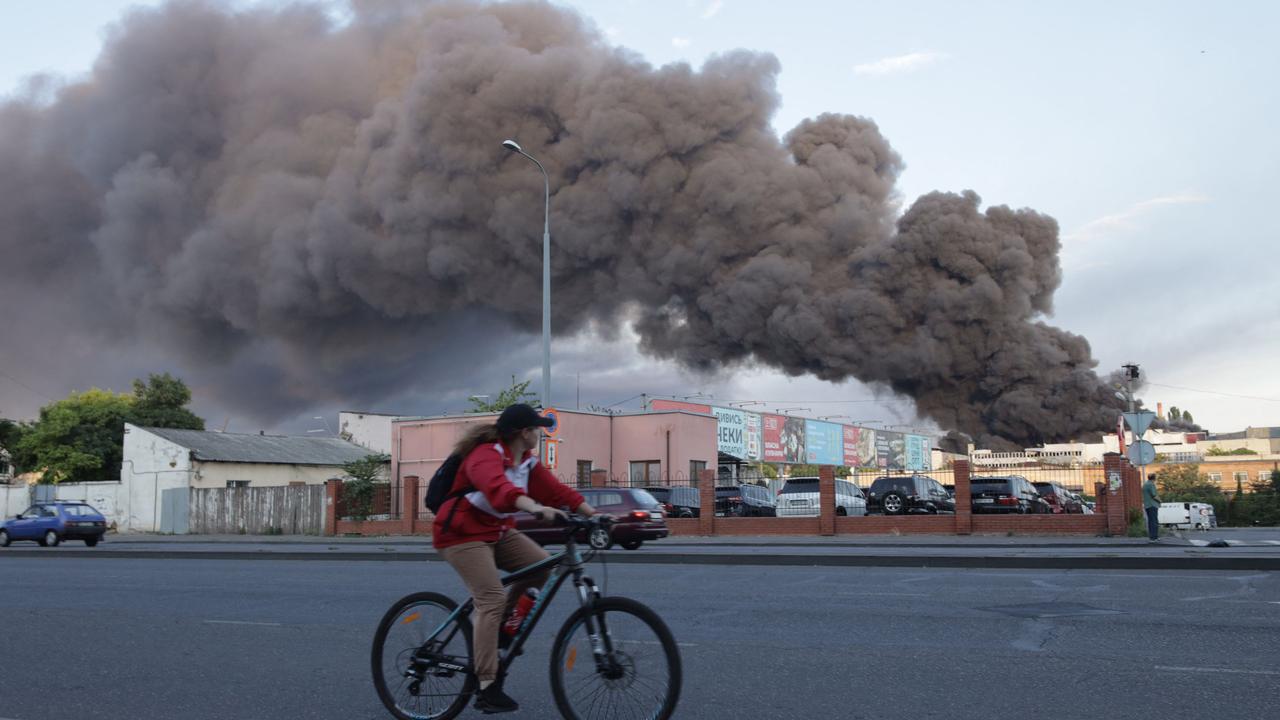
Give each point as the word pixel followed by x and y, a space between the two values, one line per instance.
pixel 305 212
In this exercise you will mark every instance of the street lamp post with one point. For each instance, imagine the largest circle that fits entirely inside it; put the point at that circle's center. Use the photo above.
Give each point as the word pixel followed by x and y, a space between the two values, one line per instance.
pixel 514 147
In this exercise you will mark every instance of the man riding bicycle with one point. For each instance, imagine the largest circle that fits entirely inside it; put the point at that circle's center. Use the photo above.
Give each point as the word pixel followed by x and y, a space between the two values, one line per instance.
pixel 476 535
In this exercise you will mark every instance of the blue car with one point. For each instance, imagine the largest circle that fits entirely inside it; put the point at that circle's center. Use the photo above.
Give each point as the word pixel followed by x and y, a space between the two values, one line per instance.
pixel 52 522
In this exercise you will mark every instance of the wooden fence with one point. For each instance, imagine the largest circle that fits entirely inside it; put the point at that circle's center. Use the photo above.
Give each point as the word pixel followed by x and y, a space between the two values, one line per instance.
pixel 292 510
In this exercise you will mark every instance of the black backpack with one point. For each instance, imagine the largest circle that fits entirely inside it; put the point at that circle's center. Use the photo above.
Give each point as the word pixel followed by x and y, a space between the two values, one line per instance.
pixel 438 489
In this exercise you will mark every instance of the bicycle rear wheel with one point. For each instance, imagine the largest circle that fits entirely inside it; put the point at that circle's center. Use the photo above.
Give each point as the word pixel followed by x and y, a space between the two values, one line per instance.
pixel 636 674
pixel 417 651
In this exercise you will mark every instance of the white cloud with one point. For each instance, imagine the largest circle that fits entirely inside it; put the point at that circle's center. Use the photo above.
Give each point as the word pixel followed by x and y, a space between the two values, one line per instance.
pixel 681 42
pixel 713 9
pixel 612 32
pixel 899 63
pixel 1127 218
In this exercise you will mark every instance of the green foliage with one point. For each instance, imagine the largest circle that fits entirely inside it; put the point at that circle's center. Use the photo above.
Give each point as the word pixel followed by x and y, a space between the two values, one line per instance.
pixel 1185 483
pixel 161 402
pixel 11 434
pixel 766 470
pixel 812 471
pixel 1219 452
pixel 1174 413
pixel 357 490
pixel 517 393
pixel 80 438
pixel 1259 506
pixel 1137 523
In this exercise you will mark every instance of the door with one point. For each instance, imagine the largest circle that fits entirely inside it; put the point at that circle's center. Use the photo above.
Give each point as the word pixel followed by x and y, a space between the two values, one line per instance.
pixel 22 529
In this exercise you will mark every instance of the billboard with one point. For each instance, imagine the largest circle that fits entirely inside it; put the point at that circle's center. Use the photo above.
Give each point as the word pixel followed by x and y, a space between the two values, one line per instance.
pixel 755 448
pixel 891 450
pixel 859 446
pixel 919 453
pixel 731 431
pixel 824 443
pixel 793 440
pixel 771 447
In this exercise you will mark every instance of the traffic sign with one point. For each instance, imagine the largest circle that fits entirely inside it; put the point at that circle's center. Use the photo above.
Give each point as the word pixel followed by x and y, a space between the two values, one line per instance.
pixel 554 415
pixel 1139 421
pixel 1142 453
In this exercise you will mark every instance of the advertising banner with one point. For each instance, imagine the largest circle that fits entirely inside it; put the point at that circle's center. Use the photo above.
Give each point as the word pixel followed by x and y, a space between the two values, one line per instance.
pixel 731 431
pixel 772 449
pixel 755 449
pixel 891 450
pixel 793 440
pixel 824 443
pixel 859 446
pixel 919 454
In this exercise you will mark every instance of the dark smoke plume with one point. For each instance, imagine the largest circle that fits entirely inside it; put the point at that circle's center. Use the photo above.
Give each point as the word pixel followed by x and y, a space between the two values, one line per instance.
pixel 310 212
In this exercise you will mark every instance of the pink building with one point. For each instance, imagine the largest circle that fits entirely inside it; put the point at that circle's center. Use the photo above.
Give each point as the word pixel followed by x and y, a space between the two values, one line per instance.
pixel 655 448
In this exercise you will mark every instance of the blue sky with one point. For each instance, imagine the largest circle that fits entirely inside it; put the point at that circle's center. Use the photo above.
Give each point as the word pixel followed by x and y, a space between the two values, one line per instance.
pixel 1146 128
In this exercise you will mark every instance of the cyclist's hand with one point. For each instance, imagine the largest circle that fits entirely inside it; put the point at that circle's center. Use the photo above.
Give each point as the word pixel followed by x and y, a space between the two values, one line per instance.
pixel 550 515
pixel 606 518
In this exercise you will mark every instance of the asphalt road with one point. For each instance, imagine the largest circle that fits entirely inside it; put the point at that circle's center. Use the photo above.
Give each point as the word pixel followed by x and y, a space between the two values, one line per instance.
pixel 161 638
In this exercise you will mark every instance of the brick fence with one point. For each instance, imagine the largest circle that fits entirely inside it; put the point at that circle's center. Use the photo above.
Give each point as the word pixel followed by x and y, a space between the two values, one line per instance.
pixel 1111 517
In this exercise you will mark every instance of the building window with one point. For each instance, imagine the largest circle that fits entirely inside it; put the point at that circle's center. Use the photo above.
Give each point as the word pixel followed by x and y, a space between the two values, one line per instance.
pixel 237 483
pixel 584 473
pixel 1241 478
pixel 1264 476
pixel 646 472
pixel 1215 477
pixel 695 470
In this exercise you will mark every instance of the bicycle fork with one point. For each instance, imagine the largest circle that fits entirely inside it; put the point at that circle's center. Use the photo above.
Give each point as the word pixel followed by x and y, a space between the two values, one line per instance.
pixel 602 648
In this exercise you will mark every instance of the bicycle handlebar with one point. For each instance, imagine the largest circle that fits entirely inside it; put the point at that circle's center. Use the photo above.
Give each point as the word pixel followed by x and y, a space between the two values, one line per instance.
pixel 583 522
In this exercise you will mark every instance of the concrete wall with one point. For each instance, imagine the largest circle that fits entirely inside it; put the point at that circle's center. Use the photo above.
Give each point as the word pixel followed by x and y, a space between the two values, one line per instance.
pixel 14 499
pixel 217 474
pixel 151 465
pixel 645 437
pixel 368 430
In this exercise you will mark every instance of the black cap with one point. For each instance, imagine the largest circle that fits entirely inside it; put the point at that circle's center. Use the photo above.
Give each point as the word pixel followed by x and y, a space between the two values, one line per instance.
pixel 521 417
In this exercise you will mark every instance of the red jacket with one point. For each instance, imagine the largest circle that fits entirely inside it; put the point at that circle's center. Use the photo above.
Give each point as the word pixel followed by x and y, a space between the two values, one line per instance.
pixel 498 481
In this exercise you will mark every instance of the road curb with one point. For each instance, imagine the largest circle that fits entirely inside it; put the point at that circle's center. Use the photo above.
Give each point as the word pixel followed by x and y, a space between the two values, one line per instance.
pixel 1101 562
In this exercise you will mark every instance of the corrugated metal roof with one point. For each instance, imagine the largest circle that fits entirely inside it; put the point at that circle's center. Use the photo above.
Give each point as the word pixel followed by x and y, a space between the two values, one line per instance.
pixel 281 449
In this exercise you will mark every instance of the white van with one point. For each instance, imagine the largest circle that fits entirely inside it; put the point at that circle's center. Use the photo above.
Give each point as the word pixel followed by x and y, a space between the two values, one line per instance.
pixel 799 498
pixel 1187 516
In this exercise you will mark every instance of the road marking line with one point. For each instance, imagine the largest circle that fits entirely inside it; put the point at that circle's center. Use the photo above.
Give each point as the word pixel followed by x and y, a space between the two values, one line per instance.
pixel 642 642
pixel 1198 543
pixel 1232 671
pixel 242 622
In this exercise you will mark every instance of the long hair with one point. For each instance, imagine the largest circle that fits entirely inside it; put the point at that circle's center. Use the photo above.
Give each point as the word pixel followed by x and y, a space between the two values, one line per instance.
pixel 479 435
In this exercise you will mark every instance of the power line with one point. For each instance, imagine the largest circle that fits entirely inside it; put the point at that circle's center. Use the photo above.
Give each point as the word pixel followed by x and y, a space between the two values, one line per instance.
pixel 28 387
pixel 1215 392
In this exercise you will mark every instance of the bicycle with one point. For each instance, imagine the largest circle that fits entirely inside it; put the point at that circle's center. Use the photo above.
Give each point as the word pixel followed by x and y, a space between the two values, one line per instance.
pixel 428 676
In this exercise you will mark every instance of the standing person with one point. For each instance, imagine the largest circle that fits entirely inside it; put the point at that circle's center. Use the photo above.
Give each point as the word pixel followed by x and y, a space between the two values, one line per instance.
pixel 1151 503
pixel 475 533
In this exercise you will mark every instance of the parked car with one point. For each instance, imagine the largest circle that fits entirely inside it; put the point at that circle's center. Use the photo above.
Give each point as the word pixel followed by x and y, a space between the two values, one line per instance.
pixel 52 522
pixel 745 501
pixel 639 514
pixel 901 494
pixel 1060 499
pixel 678 502
pixel 799 498
pixel 1006 494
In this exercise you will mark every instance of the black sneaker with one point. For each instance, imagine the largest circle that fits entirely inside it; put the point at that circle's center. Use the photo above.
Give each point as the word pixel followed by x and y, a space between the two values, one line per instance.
pixel 492 700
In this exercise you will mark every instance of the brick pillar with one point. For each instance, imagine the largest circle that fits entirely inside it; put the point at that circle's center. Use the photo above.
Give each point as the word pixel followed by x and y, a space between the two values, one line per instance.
pixel 964 498
pixel 826 500
pixel 409 504
pixel 599 478
pixel 332 491
pixel 1100 498
pixel 1133 486
pixel 707 502
pixel 1117 523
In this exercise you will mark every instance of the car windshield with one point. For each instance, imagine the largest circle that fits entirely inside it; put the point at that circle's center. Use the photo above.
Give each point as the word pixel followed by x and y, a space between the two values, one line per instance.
pixel 800 486
pixel 79 510
pixel 644 498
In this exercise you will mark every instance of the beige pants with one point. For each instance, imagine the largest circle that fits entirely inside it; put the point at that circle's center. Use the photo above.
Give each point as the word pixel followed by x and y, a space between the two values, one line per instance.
pixel 477 563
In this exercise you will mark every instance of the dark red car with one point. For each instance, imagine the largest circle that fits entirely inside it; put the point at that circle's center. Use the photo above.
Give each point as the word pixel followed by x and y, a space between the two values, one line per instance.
pixel 639 515
pixel 1059 498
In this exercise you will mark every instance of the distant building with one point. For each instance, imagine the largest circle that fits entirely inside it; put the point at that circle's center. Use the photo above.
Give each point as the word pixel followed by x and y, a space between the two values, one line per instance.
pixel 367 429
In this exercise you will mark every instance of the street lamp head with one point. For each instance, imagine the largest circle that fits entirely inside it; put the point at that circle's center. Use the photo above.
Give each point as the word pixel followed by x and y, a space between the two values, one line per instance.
pixel 513 146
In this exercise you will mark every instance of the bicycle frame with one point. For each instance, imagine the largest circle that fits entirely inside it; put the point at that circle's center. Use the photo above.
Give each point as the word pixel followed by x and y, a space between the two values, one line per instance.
pixel 565 564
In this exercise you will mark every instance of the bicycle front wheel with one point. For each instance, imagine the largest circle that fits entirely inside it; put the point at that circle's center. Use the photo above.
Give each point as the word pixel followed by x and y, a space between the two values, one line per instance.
pixel 417 655
pixel 630 669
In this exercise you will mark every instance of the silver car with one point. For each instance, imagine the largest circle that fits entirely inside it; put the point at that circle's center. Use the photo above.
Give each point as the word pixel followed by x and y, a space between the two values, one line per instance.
pixel 799 498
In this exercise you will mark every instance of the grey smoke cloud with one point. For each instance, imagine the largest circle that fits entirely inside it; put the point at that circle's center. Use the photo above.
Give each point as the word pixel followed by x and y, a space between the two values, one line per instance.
pixel 306 213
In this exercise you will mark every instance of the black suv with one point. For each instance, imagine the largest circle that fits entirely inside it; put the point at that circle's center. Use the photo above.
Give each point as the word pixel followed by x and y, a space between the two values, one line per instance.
pixel 745 501
pixel 901 494
pixel 1006 494
pixel 678 502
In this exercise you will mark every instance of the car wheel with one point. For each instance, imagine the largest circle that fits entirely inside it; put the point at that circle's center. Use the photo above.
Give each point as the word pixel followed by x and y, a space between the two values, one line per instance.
pixel 633 545
pixel 841 512
pixel 4 539
pixel 892 504
pixel 51 539
pixel 686 513
pixel 600 538
pixel 91 542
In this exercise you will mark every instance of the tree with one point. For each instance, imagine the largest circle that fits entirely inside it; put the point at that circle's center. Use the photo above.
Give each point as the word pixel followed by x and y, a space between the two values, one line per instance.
pixel 1187 419
pixel 161 402
pixel 1185 483
pixel 518 392
pixel 1174 413
pixel 11 434
pixel 357 490
pixel 78 439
